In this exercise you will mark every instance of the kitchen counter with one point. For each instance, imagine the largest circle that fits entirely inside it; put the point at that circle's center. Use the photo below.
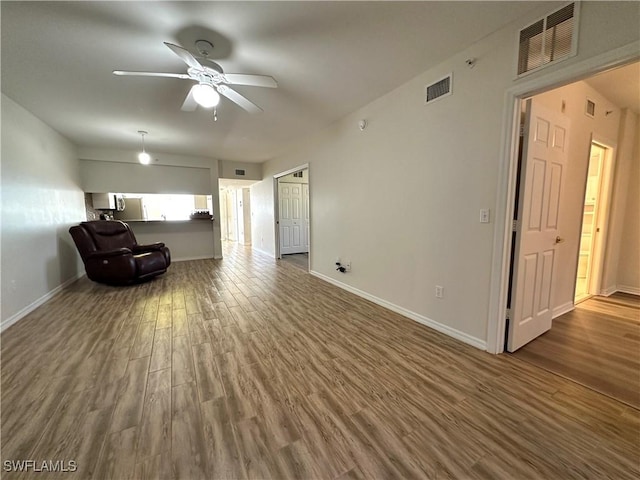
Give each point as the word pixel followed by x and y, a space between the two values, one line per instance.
pixel 170 221
pixel 187 239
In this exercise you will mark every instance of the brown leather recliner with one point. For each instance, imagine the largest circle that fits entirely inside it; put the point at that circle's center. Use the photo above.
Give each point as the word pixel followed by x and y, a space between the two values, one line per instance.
pixel 112 255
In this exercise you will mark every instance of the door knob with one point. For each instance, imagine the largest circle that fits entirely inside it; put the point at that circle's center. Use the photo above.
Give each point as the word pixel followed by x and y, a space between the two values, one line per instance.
pixel 559 239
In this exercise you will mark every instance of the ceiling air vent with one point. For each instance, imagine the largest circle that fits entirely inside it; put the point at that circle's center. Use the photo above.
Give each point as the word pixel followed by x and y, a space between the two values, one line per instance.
pixel 439 89
pixel 548 40
pixel 239 172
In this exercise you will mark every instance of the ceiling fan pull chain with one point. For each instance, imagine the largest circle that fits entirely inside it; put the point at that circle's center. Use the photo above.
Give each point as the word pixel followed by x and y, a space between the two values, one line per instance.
pixel 215 114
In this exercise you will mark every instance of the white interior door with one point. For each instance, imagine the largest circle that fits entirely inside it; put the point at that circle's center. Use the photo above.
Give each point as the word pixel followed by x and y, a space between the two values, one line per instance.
pixel 590 222
pixel 291 218
pixel 543 169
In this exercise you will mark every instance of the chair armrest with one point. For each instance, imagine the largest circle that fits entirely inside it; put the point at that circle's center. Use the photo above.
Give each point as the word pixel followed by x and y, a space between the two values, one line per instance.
pixel 147 248
pixel 109 253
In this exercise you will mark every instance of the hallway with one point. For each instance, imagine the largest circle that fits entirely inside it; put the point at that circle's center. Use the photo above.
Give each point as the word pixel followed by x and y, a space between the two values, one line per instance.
pixel 596 345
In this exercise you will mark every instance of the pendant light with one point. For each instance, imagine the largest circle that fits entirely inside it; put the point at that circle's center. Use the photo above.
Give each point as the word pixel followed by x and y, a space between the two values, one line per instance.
pixel 143 157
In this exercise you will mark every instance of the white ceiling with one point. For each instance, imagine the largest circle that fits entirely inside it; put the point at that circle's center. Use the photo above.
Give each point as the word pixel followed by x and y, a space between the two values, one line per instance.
pixel 329 59
pixel 620 86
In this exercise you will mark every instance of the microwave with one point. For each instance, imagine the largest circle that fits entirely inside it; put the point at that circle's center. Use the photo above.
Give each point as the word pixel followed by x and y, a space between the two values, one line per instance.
pixel 108 201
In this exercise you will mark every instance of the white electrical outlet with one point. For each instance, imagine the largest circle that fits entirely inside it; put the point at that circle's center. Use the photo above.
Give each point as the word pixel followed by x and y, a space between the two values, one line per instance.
pixel 485 215
pixel 439 291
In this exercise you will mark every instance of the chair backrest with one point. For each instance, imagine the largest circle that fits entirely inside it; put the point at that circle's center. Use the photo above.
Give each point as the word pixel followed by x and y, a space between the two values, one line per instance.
pixel 102 235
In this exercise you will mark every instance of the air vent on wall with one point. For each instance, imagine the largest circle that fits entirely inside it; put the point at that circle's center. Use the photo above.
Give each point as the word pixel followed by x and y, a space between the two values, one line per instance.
pixel 548 40
pixel 439 89
pixel 239 172
pixel 297 175
pixel 590 108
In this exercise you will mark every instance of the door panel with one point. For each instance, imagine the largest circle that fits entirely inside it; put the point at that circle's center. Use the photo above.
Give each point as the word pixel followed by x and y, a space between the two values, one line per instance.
pixel 548 258
pixel 285 237
pixel 535 198
pixel 530 265
pixel 554 196
pixel 542 177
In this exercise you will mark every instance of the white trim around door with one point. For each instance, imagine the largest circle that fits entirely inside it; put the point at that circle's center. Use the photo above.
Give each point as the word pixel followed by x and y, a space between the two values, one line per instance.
pixel 276 206
pixel 508 173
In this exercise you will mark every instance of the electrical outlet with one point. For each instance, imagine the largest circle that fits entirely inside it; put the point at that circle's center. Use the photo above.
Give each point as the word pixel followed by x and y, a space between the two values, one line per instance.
pixel 348 266
pixel 439 291
pixel 485 215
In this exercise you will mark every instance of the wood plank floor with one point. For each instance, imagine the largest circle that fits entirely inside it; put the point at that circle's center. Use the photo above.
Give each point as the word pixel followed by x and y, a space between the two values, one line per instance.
pixel 248 368
pixel 596 345
pixel 300 260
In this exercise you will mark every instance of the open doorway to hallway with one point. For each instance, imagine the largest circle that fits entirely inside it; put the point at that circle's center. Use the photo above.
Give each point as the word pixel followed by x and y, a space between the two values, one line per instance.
pixel 578 200
pixel 235 210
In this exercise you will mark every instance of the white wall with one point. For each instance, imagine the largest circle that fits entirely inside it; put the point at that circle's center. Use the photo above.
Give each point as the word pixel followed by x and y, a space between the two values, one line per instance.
pixel 114 170
pixel 246 215
pixel 582 128
pixel 252 171
pixel 628 274
pixel 411 220
pixel 97 176
pixel 41 199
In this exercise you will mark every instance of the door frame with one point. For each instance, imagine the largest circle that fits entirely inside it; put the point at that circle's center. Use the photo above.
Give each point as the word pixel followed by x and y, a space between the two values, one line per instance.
pixel 507 176
pixel 276 206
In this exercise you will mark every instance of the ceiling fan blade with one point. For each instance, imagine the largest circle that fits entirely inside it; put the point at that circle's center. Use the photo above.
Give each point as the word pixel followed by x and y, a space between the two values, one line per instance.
pixel 151 74
pixel 184 55
pixel 234 96
pixel 253 80
pixel 190 103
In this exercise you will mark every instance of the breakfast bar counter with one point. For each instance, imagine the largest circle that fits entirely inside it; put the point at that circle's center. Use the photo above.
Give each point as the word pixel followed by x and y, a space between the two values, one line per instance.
pixel 188 239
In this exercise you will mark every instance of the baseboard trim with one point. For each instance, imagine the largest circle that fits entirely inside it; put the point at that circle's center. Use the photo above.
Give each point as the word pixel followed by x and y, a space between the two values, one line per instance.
pixel 562 309
pixel 628 289
pixel 32 306
pixel 607 292
pixel 451 332
pixel 187 259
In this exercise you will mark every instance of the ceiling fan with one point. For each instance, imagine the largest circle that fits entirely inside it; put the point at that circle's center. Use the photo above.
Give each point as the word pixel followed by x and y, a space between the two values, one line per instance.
pixel 211 82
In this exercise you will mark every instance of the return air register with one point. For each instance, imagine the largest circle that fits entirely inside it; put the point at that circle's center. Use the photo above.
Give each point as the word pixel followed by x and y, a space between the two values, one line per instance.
pixel 240 172
pixel 439 89
pixel 548 40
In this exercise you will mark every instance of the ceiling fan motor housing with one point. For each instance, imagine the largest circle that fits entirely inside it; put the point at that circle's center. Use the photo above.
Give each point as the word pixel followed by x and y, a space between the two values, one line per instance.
pixel 204 47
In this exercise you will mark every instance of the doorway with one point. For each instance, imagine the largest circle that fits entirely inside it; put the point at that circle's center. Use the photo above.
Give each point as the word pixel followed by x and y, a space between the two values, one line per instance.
pixel 595 326
pixel 235 210
pixel 561 214
pixel 292 216
pixel 594 217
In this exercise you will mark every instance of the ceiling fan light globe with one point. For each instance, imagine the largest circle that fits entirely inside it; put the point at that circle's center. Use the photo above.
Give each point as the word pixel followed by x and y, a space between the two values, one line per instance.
pixel 205 95
pixel 144 158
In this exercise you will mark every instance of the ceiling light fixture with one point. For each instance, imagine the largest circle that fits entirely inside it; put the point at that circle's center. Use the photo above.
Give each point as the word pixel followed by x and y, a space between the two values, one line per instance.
pixel 143 157
pixel 205 95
